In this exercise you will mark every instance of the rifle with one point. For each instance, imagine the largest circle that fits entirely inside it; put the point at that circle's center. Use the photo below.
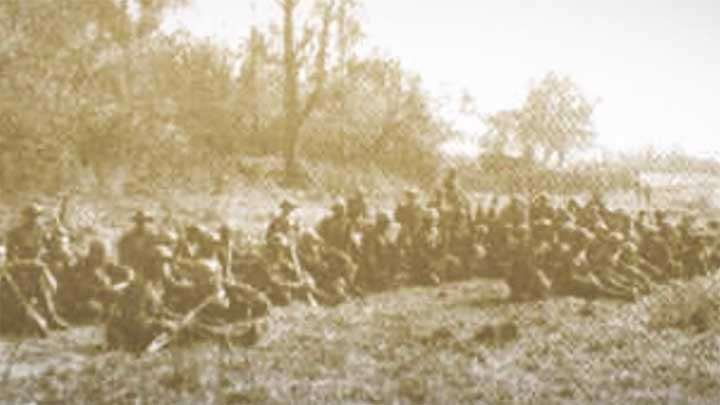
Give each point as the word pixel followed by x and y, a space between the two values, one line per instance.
pixel 229 276
pixel 302 275
pixel 165 338
pixel 32 313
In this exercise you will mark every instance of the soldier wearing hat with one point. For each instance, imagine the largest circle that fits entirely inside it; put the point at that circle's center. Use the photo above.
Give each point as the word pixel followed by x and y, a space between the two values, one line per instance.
pixel 28 241
pixel 284 224
pixel 135 245
pixel 27 245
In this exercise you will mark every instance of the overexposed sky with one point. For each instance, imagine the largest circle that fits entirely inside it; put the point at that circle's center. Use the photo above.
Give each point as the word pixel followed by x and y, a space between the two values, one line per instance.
pixel 653 64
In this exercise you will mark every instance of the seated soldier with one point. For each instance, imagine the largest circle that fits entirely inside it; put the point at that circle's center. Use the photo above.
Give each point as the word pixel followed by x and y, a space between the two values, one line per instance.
pixel 456 241
pixel 134 246
pixel 655 250
pixel 26 247
pixel 59 256
pixel 408 215
pixel 694 256
pixel 541 209
pixel 357 209
pixel 515 213
pixel 579 279
pixel 563 260
pixel 283 224
pixel 61 260
pixel 380 256
pixel 603 254
pixel 335 229
pixel 525 280
pixel 140 313
pixel 246 301
pixel 476 260
pixel 190 281
pixel 631 266
pixel 96 284
pixel 712 240
pixel 280 278
pixel 425 256
pixel 631 254
pixel 332 269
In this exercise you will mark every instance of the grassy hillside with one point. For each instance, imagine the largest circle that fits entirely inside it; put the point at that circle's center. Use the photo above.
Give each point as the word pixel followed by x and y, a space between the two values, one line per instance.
pixel 413 346
pixel 410 346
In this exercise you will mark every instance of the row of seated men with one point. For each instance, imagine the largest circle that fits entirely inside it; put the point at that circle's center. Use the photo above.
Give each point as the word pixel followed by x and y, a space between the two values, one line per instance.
pixel 164 277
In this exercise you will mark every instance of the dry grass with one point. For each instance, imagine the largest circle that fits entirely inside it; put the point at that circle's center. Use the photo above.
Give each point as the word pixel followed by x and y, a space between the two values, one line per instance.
pixel 410 346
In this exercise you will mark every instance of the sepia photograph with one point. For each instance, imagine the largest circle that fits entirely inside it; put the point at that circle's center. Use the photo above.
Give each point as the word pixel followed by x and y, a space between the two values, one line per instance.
pixel 359 202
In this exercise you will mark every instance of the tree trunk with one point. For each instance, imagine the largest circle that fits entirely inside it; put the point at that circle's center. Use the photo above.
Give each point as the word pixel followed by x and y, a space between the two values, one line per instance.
pixel 292 129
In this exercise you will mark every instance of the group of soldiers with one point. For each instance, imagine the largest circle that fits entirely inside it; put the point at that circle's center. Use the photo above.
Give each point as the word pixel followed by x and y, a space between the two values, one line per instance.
pixel 168 283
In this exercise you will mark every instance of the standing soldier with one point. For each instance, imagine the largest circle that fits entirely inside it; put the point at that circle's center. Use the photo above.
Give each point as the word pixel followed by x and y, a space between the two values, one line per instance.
pixel 26 247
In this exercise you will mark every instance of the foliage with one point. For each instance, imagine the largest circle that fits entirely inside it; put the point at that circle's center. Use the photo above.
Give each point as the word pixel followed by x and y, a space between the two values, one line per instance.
pixel 94 92
pixel 554 120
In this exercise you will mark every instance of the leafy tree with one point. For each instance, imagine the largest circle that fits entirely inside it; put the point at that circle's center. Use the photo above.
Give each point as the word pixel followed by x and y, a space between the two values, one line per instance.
pixel 555 120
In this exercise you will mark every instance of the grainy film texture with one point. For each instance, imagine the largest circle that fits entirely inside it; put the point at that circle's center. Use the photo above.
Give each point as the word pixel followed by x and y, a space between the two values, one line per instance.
pixel 348 201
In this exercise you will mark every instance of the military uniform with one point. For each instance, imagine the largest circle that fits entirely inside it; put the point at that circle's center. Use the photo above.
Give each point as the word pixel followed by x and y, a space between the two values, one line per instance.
pixel 283 224
pixel 335 229
pixel 380 256
pixel 93 286
pixel 27 246
pixel 135 245
pixel 332 269
pixel 409 215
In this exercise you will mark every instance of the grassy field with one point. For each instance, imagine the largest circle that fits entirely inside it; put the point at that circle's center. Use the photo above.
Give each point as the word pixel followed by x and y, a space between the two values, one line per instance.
pixel 421 345
pixel 410 346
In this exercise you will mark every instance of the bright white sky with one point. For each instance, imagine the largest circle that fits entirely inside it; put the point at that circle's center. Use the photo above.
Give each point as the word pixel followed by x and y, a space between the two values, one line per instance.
pixel 653 64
